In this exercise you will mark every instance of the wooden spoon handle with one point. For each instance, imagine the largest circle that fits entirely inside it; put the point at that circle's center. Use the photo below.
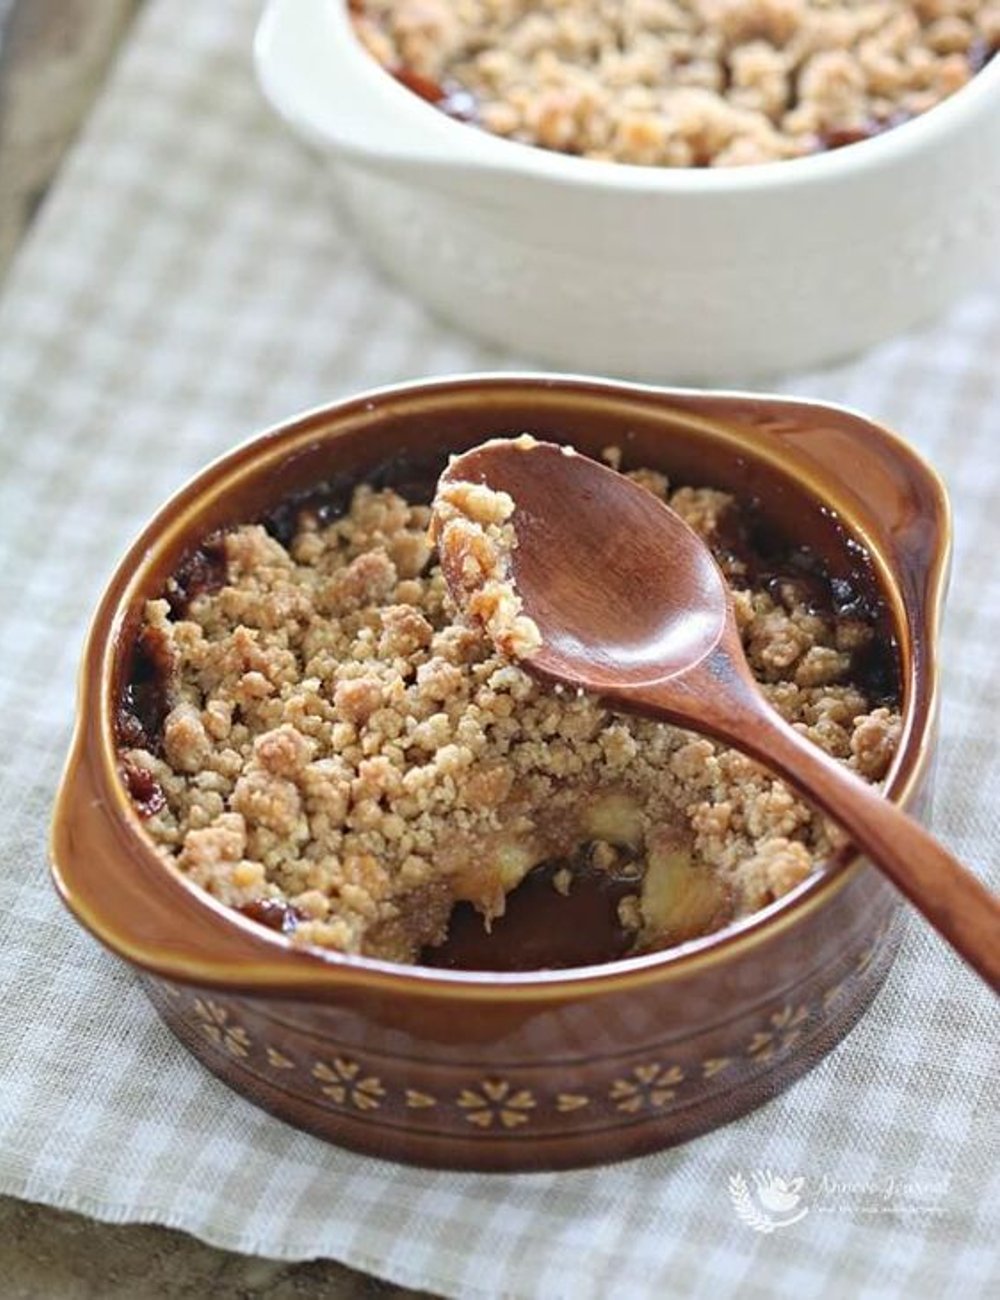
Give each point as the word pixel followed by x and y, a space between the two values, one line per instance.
pixel 958 905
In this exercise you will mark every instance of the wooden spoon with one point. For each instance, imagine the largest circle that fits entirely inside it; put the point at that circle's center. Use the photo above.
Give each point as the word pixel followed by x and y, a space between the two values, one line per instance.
pixel 632 607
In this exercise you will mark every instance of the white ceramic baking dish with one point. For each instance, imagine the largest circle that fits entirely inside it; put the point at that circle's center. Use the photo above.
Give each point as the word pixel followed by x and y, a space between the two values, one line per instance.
pixel 694 275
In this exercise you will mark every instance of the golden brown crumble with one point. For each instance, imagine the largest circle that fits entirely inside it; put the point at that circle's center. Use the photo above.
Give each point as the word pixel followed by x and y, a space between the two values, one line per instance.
pixel 686 82
pixel 340 745
pixel 470 526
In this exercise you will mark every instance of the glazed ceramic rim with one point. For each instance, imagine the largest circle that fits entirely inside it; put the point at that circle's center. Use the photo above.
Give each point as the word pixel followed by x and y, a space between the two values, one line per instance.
pixel 325 971
pixel 460 145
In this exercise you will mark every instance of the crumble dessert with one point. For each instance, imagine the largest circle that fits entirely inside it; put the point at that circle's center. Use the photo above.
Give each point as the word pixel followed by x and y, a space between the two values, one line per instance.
pixel 470 526
pixel 315 737
pixel 682 82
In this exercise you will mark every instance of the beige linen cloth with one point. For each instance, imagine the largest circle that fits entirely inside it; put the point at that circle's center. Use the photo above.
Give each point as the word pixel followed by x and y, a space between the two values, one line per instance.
pixel 187 283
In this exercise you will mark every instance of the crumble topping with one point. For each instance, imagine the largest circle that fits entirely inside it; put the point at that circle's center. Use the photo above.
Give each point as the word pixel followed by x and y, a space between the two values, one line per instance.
pixel 343 759
pixel 683 82
pixel 470 524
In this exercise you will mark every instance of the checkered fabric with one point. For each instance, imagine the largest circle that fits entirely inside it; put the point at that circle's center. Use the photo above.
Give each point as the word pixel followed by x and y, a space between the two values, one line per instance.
pixel 187 282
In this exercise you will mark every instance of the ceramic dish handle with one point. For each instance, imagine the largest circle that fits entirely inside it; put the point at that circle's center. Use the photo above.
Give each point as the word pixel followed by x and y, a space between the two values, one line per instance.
pixel 139 906
pixel 325 84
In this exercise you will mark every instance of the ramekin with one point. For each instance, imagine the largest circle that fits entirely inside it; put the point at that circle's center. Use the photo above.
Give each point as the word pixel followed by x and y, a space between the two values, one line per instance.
pixel 693 275
pixel 517 1071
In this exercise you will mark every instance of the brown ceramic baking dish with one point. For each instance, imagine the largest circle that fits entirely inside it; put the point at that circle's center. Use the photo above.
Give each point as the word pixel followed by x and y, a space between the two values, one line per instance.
pixel 554 1068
